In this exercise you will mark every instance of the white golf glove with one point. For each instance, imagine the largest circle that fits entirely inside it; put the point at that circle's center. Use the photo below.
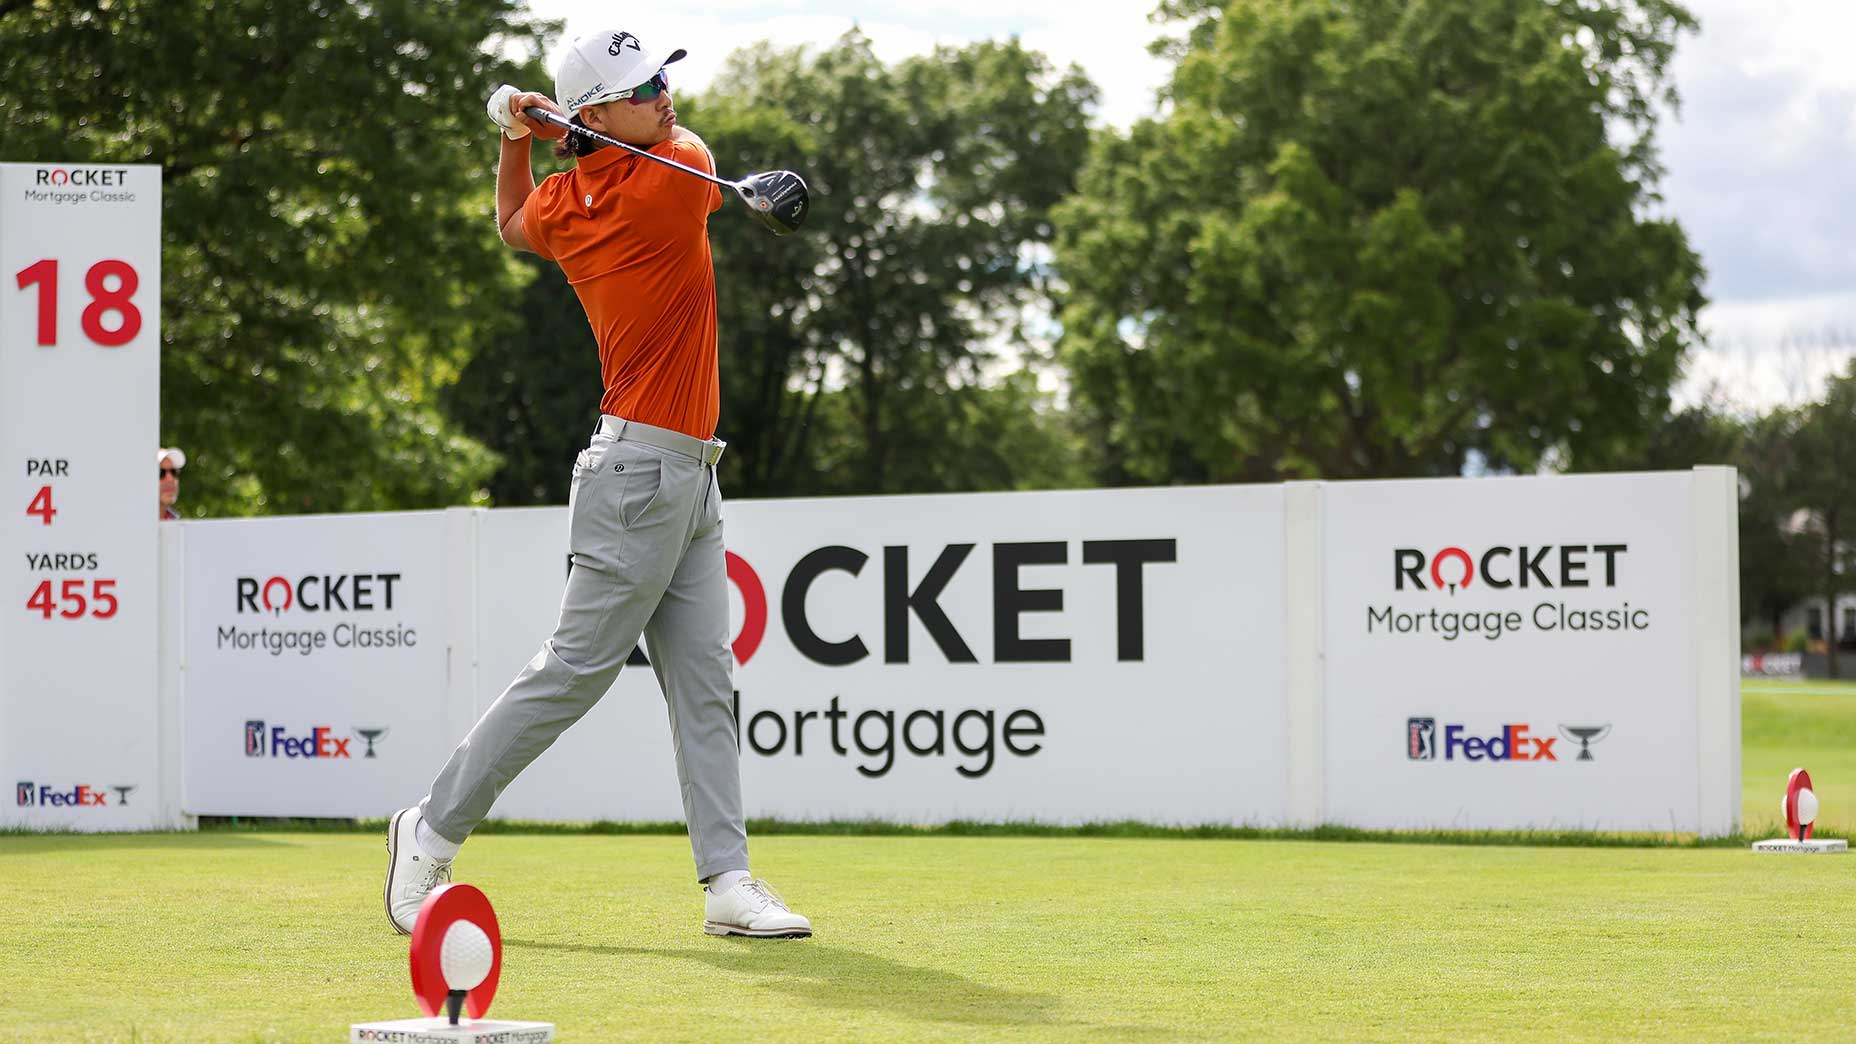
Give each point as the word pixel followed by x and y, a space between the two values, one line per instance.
pixel 498 105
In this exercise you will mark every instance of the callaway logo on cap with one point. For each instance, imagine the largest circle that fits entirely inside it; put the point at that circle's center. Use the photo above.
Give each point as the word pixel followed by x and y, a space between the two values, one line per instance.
pixel 603 64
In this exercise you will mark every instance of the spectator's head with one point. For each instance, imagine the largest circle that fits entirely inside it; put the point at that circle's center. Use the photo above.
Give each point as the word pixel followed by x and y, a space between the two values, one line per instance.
pixel 170 460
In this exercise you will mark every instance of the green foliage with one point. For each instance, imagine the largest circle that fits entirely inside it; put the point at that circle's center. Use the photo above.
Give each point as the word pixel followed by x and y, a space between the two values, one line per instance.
pixel 1775 566
pixel 1711 431
pixel 1003 435
pixel 1822 482
pixel 329 259
pixel 1375 238
pixel 532 392
pixel 852 352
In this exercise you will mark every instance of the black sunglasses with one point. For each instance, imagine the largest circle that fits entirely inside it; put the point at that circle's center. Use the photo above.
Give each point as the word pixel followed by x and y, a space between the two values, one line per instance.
pixel 647 91
pixel 165 472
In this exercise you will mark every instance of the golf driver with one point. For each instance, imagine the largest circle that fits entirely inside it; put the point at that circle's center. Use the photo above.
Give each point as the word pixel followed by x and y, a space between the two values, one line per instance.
pixel 777 198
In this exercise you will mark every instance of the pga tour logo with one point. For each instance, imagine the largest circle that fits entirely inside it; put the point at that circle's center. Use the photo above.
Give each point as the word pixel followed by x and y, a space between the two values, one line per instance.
pixel 1421 739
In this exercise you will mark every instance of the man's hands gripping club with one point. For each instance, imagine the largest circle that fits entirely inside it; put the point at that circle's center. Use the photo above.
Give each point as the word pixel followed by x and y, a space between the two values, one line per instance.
pixel 506 107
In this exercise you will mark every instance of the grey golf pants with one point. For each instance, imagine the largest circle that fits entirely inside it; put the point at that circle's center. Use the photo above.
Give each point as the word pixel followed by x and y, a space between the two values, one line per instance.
pixel 646 538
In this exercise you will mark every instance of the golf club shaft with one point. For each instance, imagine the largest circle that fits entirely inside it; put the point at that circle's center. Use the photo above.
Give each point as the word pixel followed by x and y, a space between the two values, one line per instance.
pixel 539 113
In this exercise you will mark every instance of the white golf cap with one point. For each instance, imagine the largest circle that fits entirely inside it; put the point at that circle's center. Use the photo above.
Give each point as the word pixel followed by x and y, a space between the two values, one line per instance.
pixel 163 453
pixel 602 64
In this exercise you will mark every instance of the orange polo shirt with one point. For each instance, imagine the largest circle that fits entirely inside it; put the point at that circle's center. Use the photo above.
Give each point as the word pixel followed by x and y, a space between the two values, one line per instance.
pixel 633 238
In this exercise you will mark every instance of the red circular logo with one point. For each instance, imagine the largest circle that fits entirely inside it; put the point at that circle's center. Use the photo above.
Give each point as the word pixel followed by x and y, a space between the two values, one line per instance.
pixel 446 906
pixel 277 581
pixel 1437 572
pixel 754 606
pixel 1800 780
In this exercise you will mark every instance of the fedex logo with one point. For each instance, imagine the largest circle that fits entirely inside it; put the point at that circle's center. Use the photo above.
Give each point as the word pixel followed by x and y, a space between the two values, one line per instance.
pixel 1512 743
pixel 318 742
pixel 47 796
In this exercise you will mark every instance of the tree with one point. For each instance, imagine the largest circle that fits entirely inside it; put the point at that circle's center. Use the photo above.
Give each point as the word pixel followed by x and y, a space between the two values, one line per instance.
pixel 532 393
pixel 932 183
pixel 1004 435
pixel 329 257
pixel 1823 483
pixel 1775 562
pixel 1375 237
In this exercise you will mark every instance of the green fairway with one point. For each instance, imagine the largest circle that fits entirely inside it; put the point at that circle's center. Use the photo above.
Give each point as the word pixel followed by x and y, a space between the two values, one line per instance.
pixel 280 937
pixel 239 936
pixel 1784 725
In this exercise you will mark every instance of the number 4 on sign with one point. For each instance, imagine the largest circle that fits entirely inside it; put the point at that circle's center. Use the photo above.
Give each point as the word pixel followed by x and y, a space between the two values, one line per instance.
pixel 41 600
pixel 42 505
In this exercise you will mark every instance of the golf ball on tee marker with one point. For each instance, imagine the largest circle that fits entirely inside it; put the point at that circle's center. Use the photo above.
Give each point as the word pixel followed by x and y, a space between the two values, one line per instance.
pixel 1807 806
pixel 465 956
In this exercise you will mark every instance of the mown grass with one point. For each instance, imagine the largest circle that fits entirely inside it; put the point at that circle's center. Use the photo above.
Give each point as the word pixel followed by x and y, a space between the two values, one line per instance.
pixel 1785 725
pixel 978 932
pixel 279 937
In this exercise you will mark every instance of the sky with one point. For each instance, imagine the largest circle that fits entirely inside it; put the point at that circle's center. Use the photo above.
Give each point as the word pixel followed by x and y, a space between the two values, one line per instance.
pixel 1761 157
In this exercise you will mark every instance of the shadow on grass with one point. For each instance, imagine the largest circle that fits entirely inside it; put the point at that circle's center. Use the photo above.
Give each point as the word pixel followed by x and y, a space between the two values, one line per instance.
pixel 838 978
pixel 35 842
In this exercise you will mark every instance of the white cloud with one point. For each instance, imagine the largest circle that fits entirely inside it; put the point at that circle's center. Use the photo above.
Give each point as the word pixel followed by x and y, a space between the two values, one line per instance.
pixel 1759 168
pixel 1772 352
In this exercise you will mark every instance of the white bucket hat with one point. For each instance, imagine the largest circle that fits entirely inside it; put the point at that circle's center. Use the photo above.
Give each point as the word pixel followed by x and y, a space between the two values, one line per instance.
pixel 164 452
pixel 599 66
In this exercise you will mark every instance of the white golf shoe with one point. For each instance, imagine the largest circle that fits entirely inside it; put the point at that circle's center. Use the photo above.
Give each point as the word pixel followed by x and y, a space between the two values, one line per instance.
pixel 754 909
pixel 411 874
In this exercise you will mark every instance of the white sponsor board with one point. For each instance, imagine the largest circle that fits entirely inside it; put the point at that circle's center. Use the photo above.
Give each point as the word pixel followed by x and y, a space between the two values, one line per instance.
pixel 1375 654
pixel 315 664
pixel 80 335
pixel 1513 653
pixel 1062 657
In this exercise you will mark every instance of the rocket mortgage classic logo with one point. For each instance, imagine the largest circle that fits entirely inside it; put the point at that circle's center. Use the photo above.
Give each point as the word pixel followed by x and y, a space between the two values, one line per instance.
pixel 290 611
pixel 1458 592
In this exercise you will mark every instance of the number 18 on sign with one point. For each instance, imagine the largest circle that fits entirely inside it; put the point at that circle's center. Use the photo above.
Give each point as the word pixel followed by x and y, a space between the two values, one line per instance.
pixel 80 372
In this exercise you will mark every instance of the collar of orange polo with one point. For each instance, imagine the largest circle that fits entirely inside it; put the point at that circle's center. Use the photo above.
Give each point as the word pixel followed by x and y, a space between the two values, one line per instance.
pixel 600 159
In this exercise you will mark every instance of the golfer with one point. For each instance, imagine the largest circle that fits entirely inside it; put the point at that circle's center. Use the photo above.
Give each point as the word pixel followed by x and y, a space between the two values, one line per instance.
pixel 646 530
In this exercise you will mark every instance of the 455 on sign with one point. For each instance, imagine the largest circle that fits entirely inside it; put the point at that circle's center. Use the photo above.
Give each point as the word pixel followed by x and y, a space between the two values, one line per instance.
pixel 74 598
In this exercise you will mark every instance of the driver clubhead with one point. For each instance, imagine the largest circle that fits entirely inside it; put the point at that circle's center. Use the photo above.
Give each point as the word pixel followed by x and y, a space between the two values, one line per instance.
pixel 778 198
